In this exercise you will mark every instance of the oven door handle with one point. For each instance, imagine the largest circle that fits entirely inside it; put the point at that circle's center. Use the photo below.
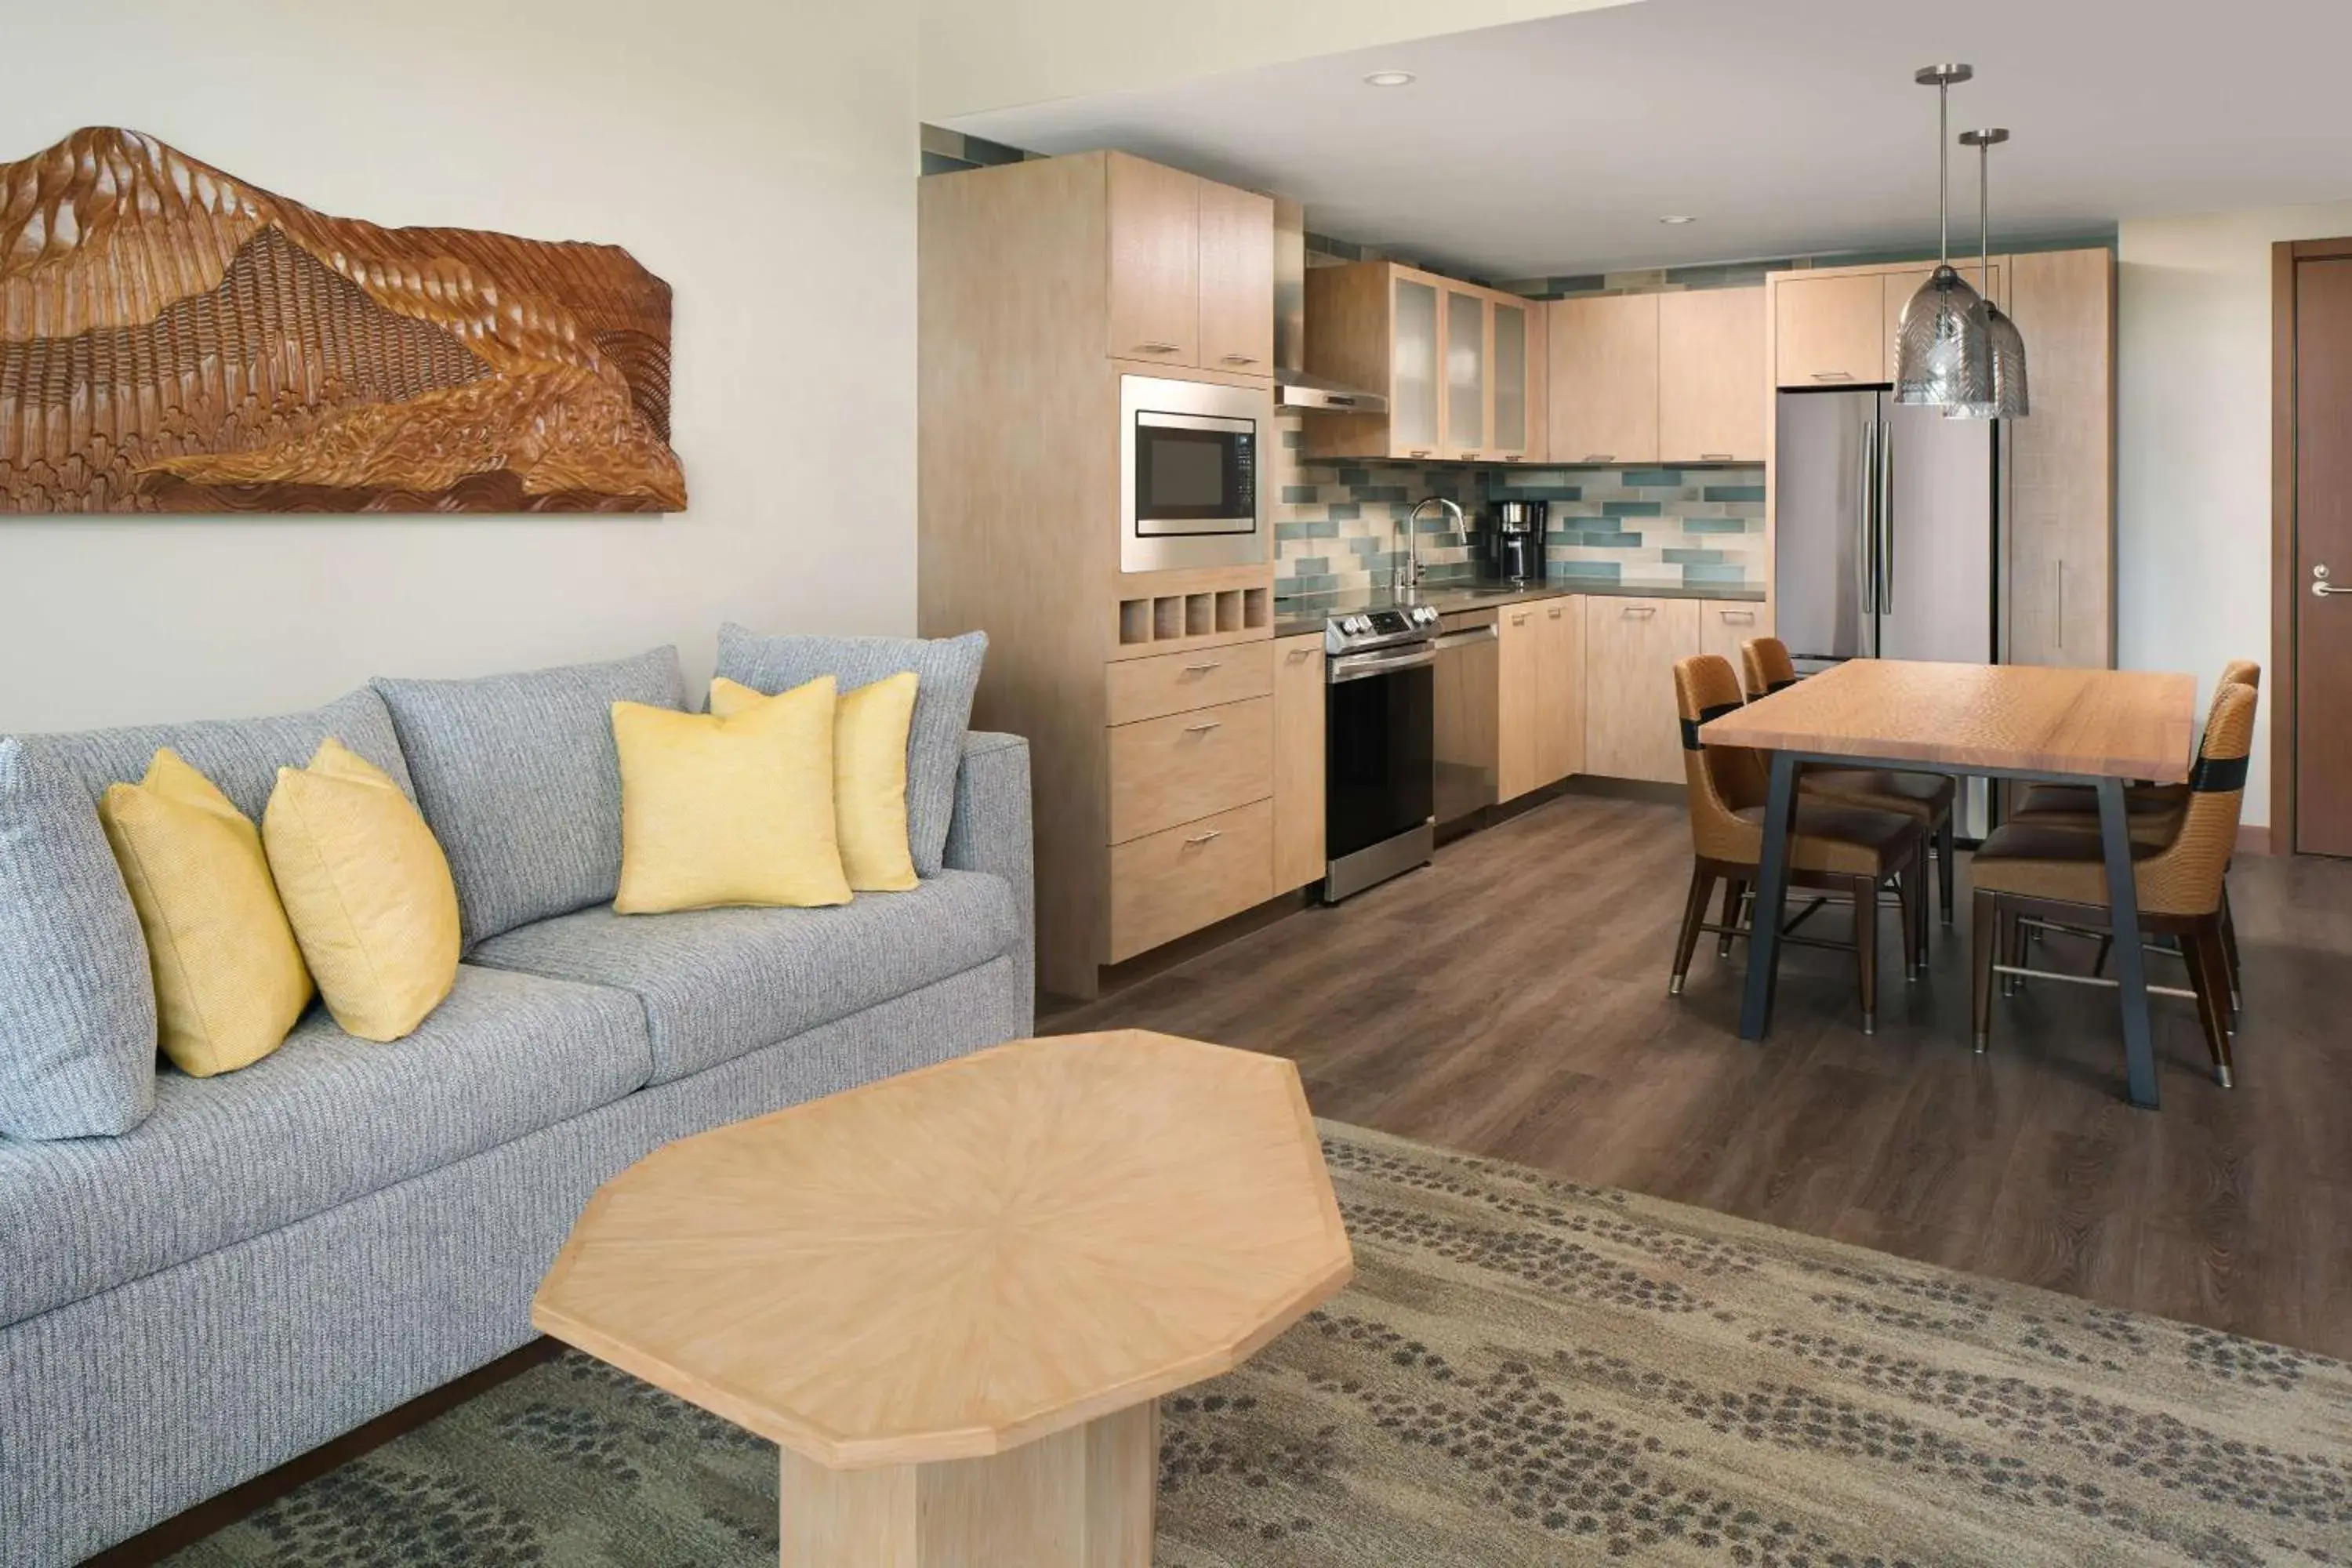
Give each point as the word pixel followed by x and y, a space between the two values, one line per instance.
pixel 1364 665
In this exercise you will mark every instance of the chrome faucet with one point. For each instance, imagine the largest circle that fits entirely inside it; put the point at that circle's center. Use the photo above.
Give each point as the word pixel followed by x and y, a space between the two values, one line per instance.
pixel 1404 572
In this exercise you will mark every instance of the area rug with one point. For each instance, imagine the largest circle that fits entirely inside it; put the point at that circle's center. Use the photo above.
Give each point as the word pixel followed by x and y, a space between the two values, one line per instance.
pixel 1524 1372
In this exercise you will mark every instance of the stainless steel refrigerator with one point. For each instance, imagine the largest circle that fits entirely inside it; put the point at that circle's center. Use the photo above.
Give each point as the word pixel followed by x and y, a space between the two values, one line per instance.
pixel 1885 530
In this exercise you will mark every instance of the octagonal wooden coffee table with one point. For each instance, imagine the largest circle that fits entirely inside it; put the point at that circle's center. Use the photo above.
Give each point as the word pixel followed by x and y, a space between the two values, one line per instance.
pixel 955 1297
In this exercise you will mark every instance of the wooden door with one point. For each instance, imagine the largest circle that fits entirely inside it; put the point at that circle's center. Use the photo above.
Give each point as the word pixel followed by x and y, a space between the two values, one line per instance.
pixel 1829 332
pixel 2323 556
pixel 1560 728
pixel 1519 705
pixel 1155 263
pixel 1631 727
pixel 1236 279
pixel 2057 591
pixel 1416 367
pixel 1604 387
pixel 1469 359
pixel 1298 857
pixel 1510 403
pixel 1711 379
pixel 1726 626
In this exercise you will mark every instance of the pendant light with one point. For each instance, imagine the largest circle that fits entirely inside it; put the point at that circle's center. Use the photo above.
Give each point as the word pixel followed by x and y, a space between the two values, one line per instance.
pixel 1941 354
pixel 2008 346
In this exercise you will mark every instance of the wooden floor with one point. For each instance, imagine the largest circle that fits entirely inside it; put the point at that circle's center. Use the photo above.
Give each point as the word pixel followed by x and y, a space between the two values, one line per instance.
pixel 1511 1000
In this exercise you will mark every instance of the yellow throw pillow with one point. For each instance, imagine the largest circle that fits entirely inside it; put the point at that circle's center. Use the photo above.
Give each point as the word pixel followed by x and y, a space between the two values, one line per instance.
pixel 229 981
pixel 869 776
pixel 728 811
pixel 368 891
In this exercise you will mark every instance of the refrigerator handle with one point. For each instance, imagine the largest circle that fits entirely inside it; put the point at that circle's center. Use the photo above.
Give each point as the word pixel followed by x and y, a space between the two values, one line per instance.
pixel 1885 521
pixel 1868 544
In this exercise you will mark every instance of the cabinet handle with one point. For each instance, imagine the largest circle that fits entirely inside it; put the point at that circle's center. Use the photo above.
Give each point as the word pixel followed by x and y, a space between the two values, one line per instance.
pixel 1554 614
pixel 1600 456
pixel 1297 654
pixel 1241 359
pixel 1833 375
pixel 1199 838
pixel 1745 616
pixel 1716 457
pixel 1519 619
pixel 1205 669
pixel 1641 609
pixel 1469 457
pixel 1418 452
pixel 1156 348
pixel 1204 729
pixel 2060 573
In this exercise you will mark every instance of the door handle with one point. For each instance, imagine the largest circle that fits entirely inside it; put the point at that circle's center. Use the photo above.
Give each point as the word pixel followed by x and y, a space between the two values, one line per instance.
pixel 1156 348
pixel 1885 521
pixel 1600 456
pixel 1639 610
pixel 1199 838
pixel 2322 588
pixel 1833 375
pixel 1867 546
pixel 1204 729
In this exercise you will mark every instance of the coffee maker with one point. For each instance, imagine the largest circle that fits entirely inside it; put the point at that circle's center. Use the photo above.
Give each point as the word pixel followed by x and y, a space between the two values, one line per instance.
pixel 1515 547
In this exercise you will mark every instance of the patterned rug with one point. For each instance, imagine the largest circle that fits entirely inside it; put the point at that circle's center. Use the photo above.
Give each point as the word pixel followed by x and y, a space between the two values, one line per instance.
pixel 1524 1372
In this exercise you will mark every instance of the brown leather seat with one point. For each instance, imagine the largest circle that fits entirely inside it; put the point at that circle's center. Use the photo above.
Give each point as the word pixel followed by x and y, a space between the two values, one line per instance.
pixel 1926 798
pixel 2057 873
pixel 1834 846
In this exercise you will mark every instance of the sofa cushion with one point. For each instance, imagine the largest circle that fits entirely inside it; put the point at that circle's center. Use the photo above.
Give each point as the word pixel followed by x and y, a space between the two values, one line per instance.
pixel 326 1119
pixel 519 778
pixel 718 983
pixel 77 1004
pixel 947 673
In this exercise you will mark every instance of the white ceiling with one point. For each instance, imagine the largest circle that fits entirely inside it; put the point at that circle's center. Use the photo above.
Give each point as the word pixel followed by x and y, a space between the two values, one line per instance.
pixel 1785 127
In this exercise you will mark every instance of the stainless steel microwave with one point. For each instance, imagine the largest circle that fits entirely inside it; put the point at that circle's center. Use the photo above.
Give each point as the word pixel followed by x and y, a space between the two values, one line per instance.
pixel 1190 455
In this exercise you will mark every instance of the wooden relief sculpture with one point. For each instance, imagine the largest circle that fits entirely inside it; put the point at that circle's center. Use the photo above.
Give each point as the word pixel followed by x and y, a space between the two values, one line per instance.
pixel 172 339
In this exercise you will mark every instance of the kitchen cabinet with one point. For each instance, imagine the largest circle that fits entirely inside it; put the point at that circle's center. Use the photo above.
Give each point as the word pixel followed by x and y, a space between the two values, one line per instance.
pixel 1630 646
pixel 1830 331
pixel 2058 585
pixel 1236 279
pixel 1298 857
pixel 1710 375
pixel 1725 625
pixel 1603 381
pixel 1540 706
pixel 1439 348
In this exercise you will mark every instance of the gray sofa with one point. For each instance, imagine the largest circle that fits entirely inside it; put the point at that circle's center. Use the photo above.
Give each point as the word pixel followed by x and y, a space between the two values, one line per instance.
pixel 274 1257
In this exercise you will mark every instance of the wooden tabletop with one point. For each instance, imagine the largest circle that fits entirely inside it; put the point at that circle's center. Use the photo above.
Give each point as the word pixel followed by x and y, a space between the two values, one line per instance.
pixel 2109 723
pixel 950 1263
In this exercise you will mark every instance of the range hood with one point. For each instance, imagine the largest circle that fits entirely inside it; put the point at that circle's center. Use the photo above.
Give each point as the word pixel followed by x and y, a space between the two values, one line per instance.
pixel 1294 388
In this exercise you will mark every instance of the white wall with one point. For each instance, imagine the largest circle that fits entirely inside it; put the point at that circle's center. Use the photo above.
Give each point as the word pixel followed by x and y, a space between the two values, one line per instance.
pixel 979 55
pixel 760 157
pixel 2193 437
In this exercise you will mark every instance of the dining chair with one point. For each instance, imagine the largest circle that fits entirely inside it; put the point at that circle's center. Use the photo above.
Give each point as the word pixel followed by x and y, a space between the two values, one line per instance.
pixel 2155 814
pixel 1926 798
pixel 1832 849
pixel 2056 874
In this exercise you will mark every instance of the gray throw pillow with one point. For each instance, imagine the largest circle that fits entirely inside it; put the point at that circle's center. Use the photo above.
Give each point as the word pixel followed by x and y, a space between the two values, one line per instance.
pixel 76 1003
pixel 519 779
pixel 947 673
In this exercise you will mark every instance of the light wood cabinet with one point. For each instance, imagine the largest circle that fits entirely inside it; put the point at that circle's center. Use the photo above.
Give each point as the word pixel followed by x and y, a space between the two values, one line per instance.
pixel 1155 262
pixel 1178 682
pixel 1630 728
pixel 1236 279
pixel 1830 331
pixel 1603 382
pixel 2058 589
pixel 1725 626
pixel 1172 769
pixel 1710 375
pixel 1540 704
pixel 1170 884
pixel 1298 692
pixel 1434 346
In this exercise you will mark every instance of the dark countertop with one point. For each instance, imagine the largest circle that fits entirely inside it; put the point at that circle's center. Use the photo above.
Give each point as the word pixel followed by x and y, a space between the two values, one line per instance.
pixel 1294 617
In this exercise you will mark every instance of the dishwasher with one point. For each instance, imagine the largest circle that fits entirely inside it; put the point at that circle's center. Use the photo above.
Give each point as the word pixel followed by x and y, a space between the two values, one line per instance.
pixel 1467 703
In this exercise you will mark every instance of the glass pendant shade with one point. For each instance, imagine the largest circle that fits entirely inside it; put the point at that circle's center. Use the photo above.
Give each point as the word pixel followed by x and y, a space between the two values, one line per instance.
pixel 1943 352
pixel 2005 397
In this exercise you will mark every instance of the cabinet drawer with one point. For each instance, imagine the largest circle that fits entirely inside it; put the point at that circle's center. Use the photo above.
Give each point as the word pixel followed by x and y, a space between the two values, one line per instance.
pixel 1189 765
pixel 1180 682
pixel 1175 882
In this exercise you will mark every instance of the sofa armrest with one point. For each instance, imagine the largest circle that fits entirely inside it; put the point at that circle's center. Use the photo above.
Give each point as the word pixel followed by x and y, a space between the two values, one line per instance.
pixel 991 829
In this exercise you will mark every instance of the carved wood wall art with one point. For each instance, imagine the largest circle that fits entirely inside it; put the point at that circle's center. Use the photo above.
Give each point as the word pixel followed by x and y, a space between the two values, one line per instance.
pixel 174 339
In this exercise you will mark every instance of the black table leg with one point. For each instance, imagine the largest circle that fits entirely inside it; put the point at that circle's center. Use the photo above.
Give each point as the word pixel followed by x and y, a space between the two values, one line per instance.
pixel 2131 962
pixel 1771 900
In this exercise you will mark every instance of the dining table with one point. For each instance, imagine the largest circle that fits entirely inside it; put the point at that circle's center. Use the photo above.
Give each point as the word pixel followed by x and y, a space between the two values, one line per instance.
pixel 2104 727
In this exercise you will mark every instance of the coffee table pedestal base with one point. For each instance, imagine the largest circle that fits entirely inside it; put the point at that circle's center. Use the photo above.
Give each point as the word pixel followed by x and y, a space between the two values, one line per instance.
pixel 1079 1499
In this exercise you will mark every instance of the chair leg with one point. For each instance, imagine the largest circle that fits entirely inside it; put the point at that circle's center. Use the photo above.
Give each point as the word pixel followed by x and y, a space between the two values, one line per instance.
pixel 1948 869
pixel 1865 949
pixel 1980 954
pixel 1910 893
pixel 2017 945
pixel 2230 950
pixel 2209 972
pixel 2099 959
pixel 1735 892
pixel 1693 917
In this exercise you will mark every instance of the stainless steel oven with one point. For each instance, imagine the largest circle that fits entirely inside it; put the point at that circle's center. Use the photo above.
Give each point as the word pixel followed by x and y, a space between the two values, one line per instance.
pixel 1189 466
pixel 1378 801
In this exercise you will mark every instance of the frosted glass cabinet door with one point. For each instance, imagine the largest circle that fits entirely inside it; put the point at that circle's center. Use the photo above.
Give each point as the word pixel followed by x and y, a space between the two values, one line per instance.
pixel 1510 378
pixel 1413 399
pixel 1465 374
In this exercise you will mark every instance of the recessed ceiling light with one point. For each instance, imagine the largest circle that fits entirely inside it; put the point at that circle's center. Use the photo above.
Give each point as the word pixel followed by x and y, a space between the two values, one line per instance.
pixel 1677 219
pixel 1389 78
